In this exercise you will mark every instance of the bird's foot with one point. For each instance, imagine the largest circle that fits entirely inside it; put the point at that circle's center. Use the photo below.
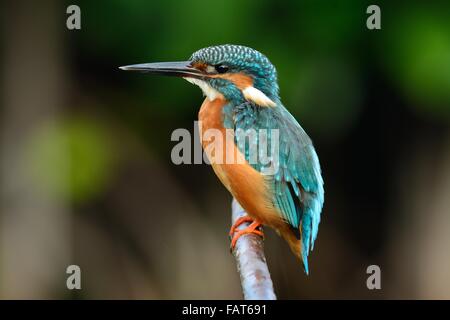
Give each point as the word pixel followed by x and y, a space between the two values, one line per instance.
pixel 255 227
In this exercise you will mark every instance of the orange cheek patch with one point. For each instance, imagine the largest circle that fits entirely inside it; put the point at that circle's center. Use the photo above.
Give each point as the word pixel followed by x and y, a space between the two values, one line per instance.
pixel 240 80
pixel 245 84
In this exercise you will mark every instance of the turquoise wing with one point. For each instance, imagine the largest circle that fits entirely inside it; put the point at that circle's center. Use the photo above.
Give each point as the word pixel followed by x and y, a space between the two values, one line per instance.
pixel 296 182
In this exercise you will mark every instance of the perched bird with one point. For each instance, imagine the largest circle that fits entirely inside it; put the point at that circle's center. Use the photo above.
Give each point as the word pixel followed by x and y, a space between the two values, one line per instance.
pixel 241 89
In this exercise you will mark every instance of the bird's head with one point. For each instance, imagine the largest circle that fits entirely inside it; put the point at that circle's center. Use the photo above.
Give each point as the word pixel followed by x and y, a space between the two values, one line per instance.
pixel 235 73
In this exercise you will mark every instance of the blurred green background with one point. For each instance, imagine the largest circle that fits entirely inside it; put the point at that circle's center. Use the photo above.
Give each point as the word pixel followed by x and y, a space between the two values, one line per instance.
pixel 86 176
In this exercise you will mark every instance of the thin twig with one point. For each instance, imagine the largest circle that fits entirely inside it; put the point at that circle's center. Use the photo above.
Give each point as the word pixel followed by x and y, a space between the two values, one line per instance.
pixel 251 262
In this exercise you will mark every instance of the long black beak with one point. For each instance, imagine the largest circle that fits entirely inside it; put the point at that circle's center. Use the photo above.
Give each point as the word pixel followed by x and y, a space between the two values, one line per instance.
pixel 177 69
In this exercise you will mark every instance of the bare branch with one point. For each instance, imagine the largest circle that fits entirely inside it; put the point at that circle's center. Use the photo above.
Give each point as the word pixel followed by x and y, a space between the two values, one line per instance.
pixel 251 262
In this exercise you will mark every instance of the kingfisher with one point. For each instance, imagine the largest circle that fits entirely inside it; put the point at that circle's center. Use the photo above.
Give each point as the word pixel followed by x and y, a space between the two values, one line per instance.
pixel 241 91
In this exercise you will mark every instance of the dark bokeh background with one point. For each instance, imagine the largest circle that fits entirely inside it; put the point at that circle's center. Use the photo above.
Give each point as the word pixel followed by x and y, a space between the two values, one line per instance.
pixel 87 179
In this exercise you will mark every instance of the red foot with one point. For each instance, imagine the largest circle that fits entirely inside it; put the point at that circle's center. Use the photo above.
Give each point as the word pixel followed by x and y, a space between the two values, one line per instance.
pixel 254 227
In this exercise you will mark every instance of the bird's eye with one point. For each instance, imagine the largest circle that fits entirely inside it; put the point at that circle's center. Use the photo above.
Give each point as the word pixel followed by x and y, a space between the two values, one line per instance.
pixel 221 68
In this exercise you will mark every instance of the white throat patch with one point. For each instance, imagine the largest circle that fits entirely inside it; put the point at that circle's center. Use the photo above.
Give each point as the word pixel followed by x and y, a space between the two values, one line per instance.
pixel 208 91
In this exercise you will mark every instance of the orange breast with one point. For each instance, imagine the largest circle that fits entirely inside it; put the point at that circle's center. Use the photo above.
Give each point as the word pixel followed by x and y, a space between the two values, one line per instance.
pixel 246 184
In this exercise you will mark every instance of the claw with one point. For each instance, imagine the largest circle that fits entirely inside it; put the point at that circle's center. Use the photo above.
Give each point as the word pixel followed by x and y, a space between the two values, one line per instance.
pixel 255 228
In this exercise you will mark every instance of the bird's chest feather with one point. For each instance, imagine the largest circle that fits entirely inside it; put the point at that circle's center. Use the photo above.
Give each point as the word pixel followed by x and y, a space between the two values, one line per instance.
pixel 245 183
